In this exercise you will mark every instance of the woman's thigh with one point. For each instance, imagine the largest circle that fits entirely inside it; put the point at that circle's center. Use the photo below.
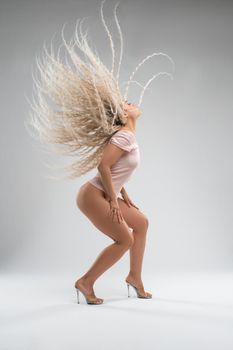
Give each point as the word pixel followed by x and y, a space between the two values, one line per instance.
pixel 134 218
pixel 92 203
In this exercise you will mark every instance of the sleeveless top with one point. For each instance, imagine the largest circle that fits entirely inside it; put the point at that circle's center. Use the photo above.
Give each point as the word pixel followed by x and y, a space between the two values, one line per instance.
pixel 124 167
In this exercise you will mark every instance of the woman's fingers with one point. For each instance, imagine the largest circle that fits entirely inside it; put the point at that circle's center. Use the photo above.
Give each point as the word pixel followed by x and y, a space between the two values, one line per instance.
pixel 133 205
pixel 127 201
pixel 117 213
pixel 121 216
pixel 111 214
pixel 118 216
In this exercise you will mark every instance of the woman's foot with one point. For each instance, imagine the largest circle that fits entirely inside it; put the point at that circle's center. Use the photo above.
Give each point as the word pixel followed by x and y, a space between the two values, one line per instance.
pixel 139 285
pixel 86 287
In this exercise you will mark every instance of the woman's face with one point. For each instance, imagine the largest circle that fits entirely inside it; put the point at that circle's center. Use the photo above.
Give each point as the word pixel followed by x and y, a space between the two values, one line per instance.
pixel 131 109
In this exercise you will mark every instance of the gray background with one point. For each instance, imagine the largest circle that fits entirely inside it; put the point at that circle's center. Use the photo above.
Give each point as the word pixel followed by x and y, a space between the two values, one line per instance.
pixel 184 182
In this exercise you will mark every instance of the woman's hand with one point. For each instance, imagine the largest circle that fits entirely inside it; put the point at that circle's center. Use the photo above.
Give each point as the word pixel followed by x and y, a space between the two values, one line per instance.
pixel 115 210
pixel 128 200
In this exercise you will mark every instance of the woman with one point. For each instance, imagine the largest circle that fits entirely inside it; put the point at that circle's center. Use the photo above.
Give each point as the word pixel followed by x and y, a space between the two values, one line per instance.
pixel 80 107
pixel 114 219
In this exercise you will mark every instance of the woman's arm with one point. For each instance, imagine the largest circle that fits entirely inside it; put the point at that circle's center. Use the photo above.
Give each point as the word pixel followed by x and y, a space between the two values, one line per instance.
pixel 106 179
pixel 111 154
pixel 126 198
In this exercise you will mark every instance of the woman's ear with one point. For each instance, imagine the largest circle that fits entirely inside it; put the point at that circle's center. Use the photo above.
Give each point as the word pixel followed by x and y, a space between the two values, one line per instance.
pixel 125 111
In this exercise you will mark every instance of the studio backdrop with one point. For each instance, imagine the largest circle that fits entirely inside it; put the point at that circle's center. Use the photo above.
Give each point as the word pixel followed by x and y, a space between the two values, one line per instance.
pixel 184 182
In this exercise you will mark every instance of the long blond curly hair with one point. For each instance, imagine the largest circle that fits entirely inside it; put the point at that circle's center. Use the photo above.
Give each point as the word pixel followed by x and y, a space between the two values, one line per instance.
pixel 80 107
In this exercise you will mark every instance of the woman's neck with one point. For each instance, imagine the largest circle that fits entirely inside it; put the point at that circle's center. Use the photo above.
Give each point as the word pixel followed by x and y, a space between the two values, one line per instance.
pixel 130 125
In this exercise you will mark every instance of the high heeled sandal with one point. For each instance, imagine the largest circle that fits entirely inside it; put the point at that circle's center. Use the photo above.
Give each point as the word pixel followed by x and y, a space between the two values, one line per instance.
pixel 148 296
pixel 91 302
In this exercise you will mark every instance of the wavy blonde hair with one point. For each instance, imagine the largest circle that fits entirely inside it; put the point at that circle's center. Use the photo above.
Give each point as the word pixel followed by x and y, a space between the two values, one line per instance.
pixel 80 107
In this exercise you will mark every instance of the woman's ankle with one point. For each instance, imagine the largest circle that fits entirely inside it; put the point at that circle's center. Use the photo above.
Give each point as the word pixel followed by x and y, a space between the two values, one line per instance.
pixel 134 277
pixel 87 280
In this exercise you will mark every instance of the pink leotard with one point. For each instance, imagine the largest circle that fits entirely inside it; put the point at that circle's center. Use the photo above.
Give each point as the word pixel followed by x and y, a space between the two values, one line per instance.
pixel 122 170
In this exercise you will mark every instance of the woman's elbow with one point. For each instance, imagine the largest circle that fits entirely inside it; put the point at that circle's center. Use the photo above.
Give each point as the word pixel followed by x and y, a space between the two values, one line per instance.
pixel 102 167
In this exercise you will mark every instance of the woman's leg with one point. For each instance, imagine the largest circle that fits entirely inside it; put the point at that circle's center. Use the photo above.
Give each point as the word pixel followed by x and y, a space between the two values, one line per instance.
pixel 92 203
pixel 139 223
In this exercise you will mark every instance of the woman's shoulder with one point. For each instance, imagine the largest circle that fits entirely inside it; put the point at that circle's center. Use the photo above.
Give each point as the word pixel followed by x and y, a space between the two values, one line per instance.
pixel 127 132
pixel 124 139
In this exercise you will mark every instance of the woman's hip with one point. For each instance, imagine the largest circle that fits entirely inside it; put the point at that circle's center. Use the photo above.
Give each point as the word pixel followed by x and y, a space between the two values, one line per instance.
pixel 87 194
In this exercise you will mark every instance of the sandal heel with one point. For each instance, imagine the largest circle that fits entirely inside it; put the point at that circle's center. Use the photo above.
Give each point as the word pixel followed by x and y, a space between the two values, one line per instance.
pixel 137 292
pixel 87 301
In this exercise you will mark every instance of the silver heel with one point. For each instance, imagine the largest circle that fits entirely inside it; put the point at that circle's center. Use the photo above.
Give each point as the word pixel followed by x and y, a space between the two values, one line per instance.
pixel 128 289
pixel 77 294
pixel 88 301
pixel 149 296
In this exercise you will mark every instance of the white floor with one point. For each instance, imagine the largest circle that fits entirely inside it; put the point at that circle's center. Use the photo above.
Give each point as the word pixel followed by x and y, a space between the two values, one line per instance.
pixel 186 312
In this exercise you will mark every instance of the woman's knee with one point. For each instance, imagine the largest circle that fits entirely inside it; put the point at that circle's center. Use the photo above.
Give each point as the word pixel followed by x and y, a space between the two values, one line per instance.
pixel 127 241
pixel 146 221
pixel 142 224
